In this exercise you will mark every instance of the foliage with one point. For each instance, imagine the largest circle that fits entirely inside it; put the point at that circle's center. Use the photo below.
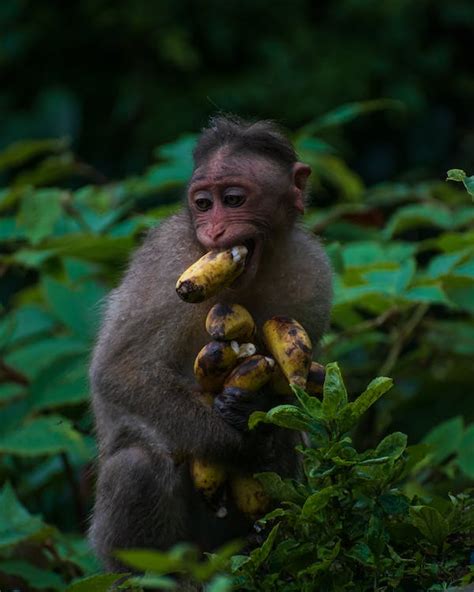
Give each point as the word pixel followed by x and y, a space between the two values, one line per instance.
pixel 403 305
pixel 350 523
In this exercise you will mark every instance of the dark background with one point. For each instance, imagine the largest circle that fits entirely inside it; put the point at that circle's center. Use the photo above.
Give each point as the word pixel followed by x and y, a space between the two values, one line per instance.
pixel 122 77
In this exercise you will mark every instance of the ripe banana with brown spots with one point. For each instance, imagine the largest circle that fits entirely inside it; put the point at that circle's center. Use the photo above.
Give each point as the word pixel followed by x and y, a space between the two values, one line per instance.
pixel 208 476
pixel 290 345
pixel 230 321
pixel 211 273
pixel 251 374
pixel 249 496
pixel 214 362
pixel 314 384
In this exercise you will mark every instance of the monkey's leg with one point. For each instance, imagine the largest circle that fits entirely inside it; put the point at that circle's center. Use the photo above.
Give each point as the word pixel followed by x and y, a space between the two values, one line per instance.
pixel 141 501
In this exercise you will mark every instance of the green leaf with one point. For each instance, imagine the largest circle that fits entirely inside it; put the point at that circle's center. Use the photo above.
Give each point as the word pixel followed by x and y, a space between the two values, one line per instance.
pixel 456 175
pixel 334 392
pixel 466 452
pixel 97 583
pixel 376 536
pixel 362 554
pixel 255 418
pixel 9 231
pixel 39 212
pixel 30 258
pixel 24 150
pixel 220 584
pixel 442 265
pixel 353 411
pixel 392 281
pixel 317 502
pixel 32 358
pixel 78 308
pixel 279 489
pixel 430 523
pixel 27 321
pixel 34 576
pixel 285 416
pixel 460 176
pixel 445 439
pixel 336 172
pixel 16 523
pixel 63 383
pixel 260 555
pixel 429 293
pixel 152 581
pixel 101 249
pixel 394 503
pixel 392 446
pixel 312 405
pixel 160 562
pixel 465 270
pixel 367 254
pixel 8 392
pixel 347 112
pixel 418 216
pixel 44 435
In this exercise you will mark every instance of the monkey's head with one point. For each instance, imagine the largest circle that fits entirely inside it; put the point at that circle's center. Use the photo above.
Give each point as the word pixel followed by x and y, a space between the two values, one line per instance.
pixel 247 186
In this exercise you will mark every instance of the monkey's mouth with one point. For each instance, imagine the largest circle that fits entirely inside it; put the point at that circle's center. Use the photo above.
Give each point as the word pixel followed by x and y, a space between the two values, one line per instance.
pixel 250 244
pixel 251 263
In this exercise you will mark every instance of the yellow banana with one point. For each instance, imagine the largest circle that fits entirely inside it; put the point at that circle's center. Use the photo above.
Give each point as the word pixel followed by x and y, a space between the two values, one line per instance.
pixel 230 321
pixel 314 385
pixel 214 362
pixel 249 496
pixel 291 347
pixel 251 374
pixel 211 273
pixel 208 477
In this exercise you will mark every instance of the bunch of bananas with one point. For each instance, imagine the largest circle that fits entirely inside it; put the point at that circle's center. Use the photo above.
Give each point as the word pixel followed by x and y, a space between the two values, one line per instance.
pixel 230 364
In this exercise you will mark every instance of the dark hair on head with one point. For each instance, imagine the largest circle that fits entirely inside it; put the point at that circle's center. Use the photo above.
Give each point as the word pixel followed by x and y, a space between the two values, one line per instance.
pixel 261 137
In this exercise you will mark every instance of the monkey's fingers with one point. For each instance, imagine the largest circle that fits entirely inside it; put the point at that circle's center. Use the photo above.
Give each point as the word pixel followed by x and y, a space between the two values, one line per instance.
pixel 211 273
pixel 236 405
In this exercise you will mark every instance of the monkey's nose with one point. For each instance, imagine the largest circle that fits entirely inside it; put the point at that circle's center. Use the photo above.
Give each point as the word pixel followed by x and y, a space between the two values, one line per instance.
pixel 213 236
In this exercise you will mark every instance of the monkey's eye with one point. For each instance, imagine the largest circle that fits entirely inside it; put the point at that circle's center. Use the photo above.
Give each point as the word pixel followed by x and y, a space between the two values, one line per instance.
pixel 203 203
pixel 233 197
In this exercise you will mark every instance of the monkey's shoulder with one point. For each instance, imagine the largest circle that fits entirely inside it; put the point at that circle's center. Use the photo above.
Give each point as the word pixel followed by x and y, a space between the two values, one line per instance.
pixel 170 243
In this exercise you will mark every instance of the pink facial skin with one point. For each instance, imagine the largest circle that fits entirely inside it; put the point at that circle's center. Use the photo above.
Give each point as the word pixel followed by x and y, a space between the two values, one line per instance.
pixel 242 199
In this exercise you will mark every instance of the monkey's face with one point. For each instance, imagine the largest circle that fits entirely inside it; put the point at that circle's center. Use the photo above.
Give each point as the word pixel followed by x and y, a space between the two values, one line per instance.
pixel 242 200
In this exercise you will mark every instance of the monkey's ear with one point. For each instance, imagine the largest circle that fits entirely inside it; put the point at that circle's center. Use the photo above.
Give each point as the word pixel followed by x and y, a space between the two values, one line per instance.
pixel 301 172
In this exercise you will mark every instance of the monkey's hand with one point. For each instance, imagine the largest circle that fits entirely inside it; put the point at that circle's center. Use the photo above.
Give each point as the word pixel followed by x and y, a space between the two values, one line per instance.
pixel 235 406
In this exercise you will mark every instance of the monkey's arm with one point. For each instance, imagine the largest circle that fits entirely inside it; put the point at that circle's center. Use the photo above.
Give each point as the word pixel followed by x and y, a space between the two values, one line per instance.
pixel 166 401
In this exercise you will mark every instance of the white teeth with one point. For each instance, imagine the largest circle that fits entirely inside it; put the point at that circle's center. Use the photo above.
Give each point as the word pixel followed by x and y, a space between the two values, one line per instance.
pixel 271 361
pixel 238 252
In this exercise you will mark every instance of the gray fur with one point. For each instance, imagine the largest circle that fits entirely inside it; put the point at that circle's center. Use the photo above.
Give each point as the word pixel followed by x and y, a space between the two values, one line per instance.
pixel 148 418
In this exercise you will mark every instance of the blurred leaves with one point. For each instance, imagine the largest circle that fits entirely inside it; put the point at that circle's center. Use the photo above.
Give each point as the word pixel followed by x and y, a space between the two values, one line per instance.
pixel 403 255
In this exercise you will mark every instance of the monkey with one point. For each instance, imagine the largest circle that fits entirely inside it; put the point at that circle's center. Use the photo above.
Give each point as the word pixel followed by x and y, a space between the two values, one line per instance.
pixel 247 188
